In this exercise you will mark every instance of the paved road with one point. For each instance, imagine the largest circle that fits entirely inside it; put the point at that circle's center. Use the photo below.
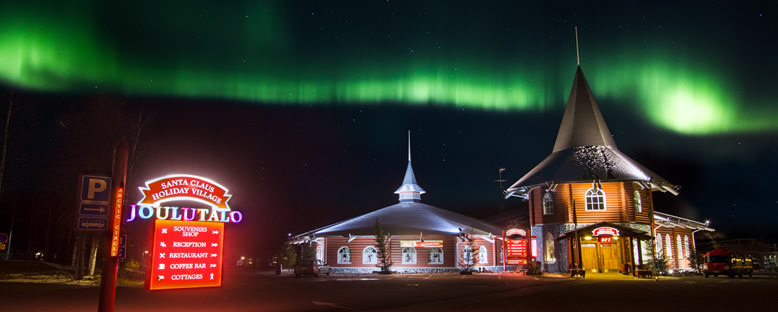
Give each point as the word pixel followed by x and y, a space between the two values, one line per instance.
pixel 492 292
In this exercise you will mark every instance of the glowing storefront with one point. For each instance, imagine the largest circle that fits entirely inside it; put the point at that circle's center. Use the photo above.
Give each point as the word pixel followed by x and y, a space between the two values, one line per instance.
pixel 589 195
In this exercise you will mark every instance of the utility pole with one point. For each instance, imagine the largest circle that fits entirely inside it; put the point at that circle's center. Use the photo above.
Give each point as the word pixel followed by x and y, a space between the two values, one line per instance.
pixel 2 171
pixel 111 264
pixel 578 265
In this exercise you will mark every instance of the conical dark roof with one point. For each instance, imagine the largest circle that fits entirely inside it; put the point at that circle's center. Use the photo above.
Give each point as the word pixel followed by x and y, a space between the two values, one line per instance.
pixel 585 150
pixel 409 182
pixel 582 123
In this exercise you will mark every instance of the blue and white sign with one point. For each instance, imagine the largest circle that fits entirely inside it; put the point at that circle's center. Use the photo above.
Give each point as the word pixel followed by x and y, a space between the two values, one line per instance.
pixel 93 207
pixel 95 188
pixel 122 247
pixel 94 210
pixel 91 224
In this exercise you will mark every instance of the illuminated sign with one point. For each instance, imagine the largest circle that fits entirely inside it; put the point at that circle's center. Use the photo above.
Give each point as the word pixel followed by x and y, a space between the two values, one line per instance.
pixel 185 187
pixel 421 244
pixel 605 231
pixel 177 187
pixel 116 223
pixel 184 214
pixel 517 247
pixel 512 232
pixel 186 254
pixel 606 239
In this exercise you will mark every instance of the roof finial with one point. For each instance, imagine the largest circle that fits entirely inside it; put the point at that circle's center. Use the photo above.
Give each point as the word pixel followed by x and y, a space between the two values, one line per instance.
pixel 577 55
pixel 409 145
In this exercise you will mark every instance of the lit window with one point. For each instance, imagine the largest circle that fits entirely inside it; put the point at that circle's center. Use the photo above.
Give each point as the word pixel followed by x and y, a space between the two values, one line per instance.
pixel 320 252
pixel 686 246
pixel 436 255
pixel 659 249
pixel 548 204
pixel 344 255
pixel 467 255
pixel 409 255
pixel 483 257
pixel 679 245
pixel 595 199
pixel 369 255
pixel 668 246
pixel 549 249
pixel 638 203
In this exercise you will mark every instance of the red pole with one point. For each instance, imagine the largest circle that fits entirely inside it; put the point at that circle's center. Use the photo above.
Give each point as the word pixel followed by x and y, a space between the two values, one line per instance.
pixel 111 264
pixel 504 252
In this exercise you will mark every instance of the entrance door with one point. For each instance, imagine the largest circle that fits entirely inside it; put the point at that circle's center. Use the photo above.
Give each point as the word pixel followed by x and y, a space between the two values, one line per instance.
pixel 611 257
pixel 589 256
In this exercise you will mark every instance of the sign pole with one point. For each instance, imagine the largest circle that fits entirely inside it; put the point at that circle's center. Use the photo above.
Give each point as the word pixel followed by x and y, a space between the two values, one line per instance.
pixel 504 252
pixel 110 266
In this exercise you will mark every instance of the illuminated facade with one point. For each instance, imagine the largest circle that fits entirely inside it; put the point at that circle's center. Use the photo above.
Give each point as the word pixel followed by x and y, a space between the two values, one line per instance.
pixel 421 238
pixel 589 196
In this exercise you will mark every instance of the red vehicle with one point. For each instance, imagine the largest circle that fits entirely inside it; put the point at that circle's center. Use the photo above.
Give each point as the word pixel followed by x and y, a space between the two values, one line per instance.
pixel 722 261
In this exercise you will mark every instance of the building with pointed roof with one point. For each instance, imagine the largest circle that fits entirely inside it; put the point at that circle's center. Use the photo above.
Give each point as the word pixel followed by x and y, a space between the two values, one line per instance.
pixel 421 237
pixel 587 195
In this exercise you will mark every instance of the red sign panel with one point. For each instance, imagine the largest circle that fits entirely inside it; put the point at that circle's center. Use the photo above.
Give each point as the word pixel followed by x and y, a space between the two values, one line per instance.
pixel 187 254
pixel 605 231
pixel 118 199
pixel 517 247
pixel 606 239
pixel 184 187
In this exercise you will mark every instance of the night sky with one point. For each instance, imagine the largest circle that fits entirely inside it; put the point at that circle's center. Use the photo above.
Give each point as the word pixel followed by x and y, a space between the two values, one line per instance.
pixel 301 108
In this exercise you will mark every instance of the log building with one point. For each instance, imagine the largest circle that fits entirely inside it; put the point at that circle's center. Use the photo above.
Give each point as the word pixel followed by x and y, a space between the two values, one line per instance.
pixel 421 238
pixel 589 196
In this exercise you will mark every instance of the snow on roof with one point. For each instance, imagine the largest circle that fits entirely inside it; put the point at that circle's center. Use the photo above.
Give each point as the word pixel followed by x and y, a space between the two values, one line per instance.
pixel 409 218
pixel 585 150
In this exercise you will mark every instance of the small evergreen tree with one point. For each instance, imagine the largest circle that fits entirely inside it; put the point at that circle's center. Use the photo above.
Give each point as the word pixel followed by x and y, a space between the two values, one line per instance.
pixel 287 256
pixel 468 260
pixel 694 259
pixel 657 262
pixel 382 240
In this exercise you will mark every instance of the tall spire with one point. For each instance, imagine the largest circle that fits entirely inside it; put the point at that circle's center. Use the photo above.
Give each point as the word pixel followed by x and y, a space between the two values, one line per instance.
pixel 409 145
pixel 409 190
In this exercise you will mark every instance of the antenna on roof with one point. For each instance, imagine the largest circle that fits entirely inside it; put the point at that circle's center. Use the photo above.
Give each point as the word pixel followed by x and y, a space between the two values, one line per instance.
pixel 500 180
pixel 577 55
pixel 409 145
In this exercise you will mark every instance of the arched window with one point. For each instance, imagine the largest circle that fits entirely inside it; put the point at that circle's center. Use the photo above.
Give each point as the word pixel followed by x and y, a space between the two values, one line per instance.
pixel 638 203
pixel 369 255
pixel 548 245
pixel 344 255
pixel 686 246
pixel 436 255
pixel 483 257
pixel 320 252
pixel 548 204
pixel 409 255
pixel 679 246
pixel 467 255
pixel 659 249
pixel 668 246
pixel 595 199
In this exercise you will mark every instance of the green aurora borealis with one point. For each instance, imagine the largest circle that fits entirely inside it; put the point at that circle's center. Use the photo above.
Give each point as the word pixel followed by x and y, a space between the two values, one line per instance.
pixel 381 52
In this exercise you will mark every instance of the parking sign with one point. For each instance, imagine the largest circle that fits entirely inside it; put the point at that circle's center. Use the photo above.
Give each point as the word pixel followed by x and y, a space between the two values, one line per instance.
pixel 95 188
